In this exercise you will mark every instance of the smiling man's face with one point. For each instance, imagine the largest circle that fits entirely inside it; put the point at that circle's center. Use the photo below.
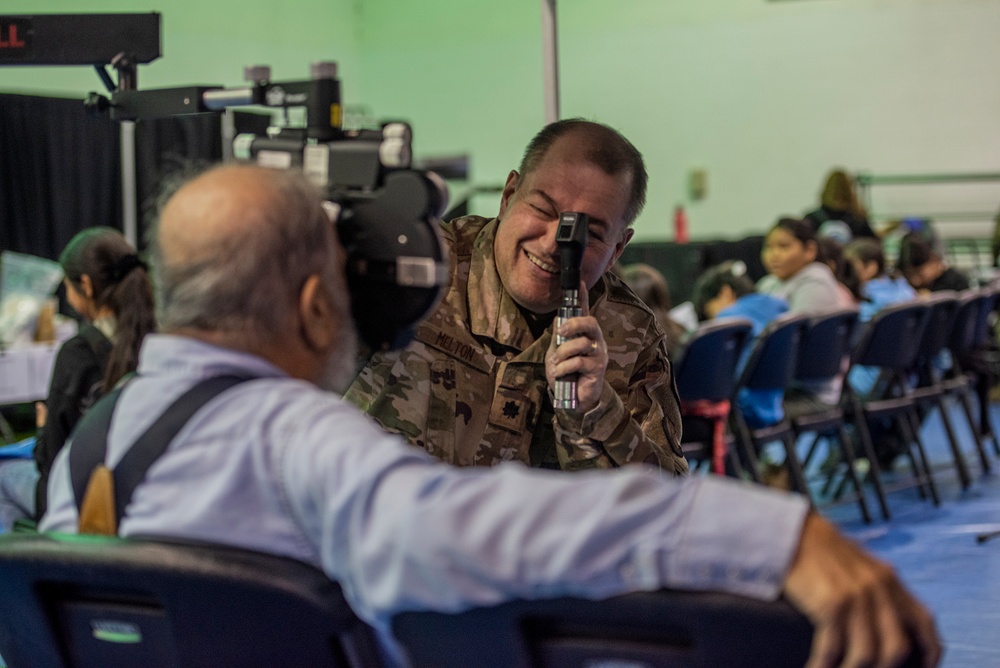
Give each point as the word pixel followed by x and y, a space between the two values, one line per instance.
pixel 525 250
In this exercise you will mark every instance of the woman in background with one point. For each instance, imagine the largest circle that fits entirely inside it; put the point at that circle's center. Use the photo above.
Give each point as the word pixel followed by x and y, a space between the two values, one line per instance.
pixel 107 285
pixel 839 201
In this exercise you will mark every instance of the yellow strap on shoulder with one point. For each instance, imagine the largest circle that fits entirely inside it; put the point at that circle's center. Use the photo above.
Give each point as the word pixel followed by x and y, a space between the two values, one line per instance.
pixel 97 512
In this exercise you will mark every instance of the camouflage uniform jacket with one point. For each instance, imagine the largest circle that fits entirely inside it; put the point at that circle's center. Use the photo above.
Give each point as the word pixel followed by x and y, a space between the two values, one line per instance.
pixel 471 387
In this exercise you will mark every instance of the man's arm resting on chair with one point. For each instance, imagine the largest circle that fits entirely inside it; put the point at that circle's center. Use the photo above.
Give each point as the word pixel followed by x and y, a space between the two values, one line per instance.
pixel 863 616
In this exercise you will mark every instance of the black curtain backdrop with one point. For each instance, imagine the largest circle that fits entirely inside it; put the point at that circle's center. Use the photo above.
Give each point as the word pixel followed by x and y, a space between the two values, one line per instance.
pixel 60 168
pixel 168 148
pixel 59 173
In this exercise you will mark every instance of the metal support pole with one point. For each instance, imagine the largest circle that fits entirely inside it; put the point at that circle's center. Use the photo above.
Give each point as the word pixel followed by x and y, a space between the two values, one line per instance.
pixel 130 224
pixel 228 134
pixel 550 61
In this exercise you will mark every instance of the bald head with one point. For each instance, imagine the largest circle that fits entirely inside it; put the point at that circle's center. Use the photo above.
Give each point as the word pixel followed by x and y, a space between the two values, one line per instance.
pixel 207 216
pixel 233 246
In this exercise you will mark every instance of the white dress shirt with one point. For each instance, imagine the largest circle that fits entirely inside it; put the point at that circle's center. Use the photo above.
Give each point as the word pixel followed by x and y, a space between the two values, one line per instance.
pixel 277 465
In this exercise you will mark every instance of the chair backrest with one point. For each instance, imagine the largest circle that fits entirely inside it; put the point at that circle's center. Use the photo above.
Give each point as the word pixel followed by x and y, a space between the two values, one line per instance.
pixel 963 331
pixel 771 364
pixel 82 601
pixel 666 629
pixel 940 321
pixel 988 298
pixel 892 338
pixel 707 369
pixel 826 344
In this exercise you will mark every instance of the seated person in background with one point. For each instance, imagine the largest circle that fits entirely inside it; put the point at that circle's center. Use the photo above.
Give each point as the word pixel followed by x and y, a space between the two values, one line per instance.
pixel 473 388
pixel 878 289
pixel 107 285
pixel 789 255
pixel 925 269
pixel 651 287
pixel 839 201
pixel 830 252
pixel 277 464
pixel 725 291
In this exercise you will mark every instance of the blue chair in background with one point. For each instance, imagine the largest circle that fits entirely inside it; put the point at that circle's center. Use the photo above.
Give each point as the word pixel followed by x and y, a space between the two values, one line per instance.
pixel 768 371
pixel 824 352
pixel 705 375
pixel 891 342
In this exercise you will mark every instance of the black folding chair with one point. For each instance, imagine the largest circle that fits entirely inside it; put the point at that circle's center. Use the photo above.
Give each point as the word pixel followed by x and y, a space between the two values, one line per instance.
pixel 95 601
pixel 930 390
pixel 666 629
pixel 957 381
pixel 891 342
pixel 705 374
pixel 823 355
pixel 769 368
pixel 982 360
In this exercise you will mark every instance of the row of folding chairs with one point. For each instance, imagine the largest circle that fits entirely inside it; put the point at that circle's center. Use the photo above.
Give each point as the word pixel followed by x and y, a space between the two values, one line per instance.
pixel 904 343
pixel 99 601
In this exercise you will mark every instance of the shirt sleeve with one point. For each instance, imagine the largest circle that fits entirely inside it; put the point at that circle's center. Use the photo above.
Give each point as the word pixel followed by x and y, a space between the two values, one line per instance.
pixel 813 295
pixel 643 426
pixel 401 532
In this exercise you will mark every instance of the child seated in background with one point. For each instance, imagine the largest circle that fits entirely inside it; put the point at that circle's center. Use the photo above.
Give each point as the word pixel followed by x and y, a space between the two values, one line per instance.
pixel 725 291
pixel 878 289
pixel 830 252
pixel 925 269
pixel 789 254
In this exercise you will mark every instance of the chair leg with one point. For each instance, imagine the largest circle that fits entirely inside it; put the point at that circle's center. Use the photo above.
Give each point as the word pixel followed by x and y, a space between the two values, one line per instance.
pixel 909 424
pixel 965 403
pixel 745 447
pixel 905 437
pixel 956 450
pixel 811 451
pixel 843 439
pixel 861 426
pixel 798 478
pixel 985 424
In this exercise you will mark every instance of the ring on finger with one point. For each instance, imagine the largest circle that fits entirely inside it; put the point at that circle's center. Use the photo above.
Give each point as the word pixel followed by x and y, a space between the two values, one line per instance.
pixel 593 347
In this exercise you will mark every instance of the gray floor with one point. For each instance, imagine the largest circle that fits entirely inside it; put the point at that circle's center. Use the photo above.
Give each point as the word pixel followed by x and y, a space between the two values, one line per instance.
pixel 936 552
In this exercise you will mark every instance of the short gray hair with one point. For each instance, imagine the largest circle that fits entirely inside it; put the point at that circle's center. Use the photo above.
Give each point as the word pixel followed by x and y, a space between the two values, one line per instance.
pixel 606 148
pixel 249 287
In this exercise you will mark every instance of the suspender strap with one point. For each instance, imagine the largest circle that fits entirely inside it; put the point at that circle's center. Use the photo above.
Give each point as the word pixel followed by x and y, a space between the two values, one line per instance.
pixel 90 443
pixel 92 439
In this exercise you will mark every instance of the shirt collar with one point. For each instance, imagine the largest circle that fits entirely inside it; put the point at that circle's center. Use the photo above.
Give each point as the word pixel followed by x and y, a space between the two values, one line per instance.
pixel 171 354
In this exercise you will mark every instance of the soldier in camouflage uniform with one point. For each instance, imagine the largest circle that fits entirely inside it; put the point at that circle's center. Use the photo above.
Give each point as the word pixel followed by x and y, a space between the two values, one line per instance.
pixel 474 386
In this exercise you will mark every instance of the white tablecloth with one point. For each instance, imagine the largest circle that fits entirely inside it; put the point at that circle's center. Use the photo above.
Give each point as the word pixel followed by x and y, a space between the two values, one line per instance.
pixel 25 373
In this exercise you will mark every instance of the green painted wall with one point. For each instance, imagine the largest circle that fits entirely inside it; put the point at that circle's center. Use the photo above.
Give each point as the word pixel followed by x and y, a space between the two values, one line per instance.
pixel 764 96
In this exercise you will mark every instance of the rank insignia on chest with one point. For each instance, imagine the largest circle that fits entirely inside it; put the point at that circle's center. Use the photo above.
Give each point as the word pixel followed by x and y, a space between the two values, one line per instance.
pixel 510 411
